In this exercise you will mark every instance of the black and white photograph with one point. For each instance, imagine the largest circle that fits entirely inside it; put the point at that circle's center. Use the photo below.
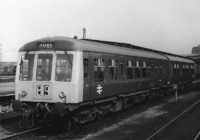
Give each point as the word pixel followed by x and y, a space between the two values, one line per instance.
pixel 100 70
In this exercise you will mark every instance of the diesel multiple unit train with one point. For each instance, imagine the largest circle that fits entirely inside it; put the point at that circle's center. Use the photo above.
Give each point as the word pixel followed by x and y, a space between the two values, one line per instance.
pixel 81 80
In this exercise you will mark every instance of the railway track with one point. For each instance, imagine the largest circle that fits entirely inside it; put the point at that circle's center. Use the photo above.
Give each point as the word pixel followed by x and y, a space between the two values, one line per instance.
pixel 109 120
pixel 197 137
pixel 106 122
pixel 164 129
pixel 20 134
pixel 8 115
pixel 83 131
pixel 78 134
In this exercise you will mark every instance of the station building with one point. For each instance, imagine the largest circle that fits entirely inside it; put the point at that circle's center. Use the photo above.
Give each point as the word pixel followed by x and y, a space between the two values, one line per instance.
pixel 196 50
pixel 195 54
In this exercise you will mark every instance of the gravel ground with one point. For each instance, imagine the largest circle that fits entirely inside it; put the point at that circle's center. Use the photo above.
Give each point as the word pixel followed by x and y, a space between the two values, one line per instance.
pixel 140 126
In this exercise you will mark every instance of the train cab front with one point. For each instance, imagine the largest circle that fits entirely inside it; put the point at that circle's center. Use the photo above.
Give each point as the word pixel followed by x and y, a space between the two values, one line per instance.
pixel 46 81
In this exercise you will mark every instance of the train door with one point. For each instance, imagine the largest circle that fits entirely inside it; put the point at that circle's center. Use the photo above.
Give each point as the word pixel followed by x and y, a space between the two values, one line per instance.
pixel 98 71
pixel 165 72
pixel 87 76
pixel 122 68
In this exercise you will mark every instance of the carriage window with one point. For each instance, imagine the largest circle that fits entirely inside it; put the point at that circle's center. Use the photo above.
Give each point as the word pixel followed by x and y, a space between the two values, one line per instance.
pixel 99 68
pixel 160 69
pixel 129 69
pixel 149 69
pixel 163 68
pixel 156 69
pixel 112 69
pixel 26 67
pixel 64 67
pixel 86 68
pixel 122 68
pixel 137 69
pixel 192 69
pixel 174 69
pixel 181 69
pixel 188 69
pixel 184 69
pixel 177 69
pixel 144 70
pixel 44 63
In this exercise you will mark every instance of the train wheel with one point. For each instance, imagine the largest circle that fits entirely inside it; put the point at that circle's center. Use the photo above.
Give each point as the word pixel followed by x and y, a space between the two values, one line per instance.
pixel 76 122
pixel 100 116
pixel 92 116
pixel 22 123
pixel 30 120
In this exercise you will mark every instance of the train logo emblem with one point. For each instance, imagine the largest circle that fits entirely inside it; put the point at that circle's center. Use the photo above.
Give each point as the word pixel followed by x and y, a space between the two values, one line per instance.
pixel 99 89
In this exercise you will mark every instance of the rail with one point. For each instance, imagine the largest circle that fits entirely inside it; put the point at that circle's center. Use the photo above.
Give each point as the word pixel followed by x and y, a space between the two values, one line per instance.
pixel 20 133
pixel 197 136
pixel 171 122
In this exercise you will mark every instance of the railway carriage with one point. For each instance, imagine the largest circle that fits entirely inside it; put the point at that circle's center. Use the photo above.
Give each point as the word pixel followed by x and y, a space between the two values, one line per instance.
pixel 182 70
pixel 81 79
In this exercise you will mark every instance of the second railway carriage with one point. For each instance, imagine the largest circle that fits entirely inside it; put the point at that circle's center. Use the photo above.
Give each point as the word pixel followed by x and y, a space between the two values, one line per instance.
pixel 84 79
pixel 182 70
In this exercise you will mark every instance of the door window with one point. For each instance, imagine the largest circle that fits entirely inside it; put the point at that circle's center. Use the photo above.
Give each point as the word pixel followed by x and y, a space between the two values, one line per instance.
pixel 64 67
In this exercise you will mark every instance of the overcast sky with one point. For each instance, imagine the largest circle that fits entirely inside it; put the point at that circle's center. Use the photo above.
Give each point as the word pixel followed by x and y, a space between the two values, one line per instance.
pixel 167 25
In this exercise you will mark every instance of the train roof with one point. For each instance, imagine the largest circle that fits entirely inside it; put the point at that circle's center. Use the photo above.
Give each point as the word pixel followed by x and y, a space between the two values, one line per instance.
pixel 70 44
pixel 179 59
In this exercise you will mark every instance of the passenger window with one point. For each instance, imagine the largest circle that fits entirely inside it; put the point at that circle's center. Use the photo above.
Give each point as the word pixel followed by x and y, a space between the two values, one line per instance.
pixel 156 69
pixel 144 70
pixel 137 69
pixel 99 68
pixel 188 69
pixel 129 69
pixel 192 67
pixel 122 68
pixel 183 69
pixel 177 71
pixel 26 67
pixel 112 69
pixel 174 69
pixel 44 64
pixel 153 69
pixel 149 69
pixel 86 68
pixel 64 67
pixel 160 69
